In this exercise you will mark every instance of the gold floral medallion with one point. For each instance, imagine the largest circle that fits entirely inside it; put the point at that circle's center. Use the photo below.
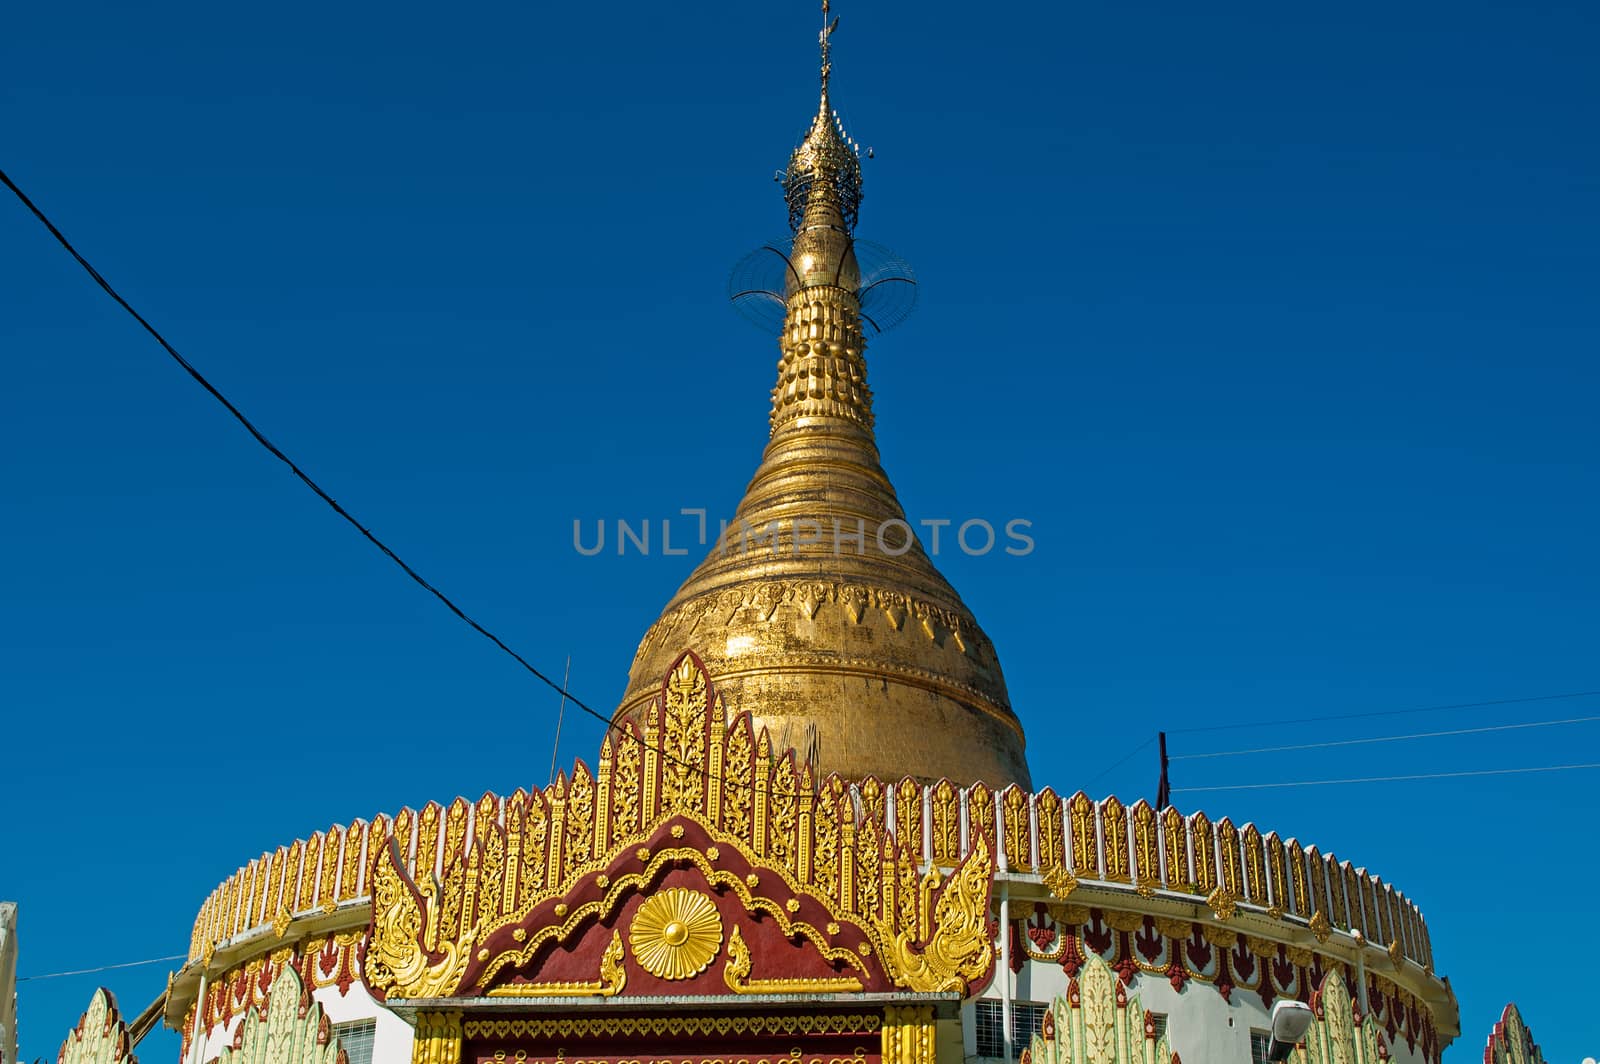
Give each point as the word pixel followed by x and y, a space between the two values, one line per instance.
pixel 676 934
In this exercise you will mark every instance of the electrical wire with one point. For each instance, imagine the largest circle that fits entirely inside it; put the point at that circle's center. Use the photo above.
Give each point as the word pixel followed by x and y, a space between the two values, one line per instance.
pixel 1378 713
pixel 1118 763
pixel 103 968
pixel 1384 739
pixel 318 490
pixel 1389 779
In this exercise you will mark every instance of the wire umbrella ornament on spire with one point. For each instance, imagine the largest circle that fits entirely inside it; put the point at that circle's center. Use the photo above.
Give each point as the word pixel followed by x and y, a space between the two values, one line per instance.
pixel 822 190
pixel 887 292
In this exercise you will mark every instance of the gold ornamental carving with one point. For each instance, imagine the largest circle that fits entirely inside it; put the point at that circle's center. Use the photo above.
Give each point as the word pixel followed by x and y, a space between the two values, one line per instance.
pixel 676 934
pixel 909 1035
pixel 961 949
pixel 737 975
pixel 1264 948
pixel 602 813
pixel 437 1039
pixel 397 956
pixel 675 1025
pixel 613 977
pixel 1118 920
pixel 1224 903
pixel 1059 882
pixel 821 860
pixel 1172 927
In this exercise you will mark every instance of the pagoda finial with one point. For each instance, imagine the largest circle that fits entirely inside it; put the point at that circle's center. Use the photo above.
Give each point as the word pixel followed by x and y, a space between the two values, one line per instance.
pixel 823 40
pixel 825 170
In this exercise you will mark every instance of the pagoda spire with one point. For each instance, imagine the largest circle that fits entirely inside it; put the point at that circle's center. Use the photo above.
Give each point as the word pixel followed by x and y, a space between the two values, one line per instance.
pixel 817 608
pixel 822 372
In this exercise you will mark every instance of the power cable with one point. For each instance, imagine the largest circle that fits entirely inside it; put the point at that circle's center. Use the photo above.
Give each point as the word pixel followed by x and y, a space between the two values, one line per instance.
pixel 1118 763
pixel 1378 713
pixel 317 489
pixel 1390 779
pixel 1384 739
pixel 102 968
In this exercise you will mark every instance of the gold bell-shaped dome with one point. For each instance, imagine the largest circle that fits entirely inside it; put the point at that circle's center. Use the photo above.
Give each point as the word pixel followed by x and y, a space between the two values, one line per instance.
pixel 818 611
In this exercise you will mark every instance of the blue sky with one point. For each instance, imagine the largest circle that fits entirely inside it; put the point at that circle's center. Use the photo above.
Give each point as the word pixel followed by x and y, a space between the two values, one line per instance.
pixel 1278 324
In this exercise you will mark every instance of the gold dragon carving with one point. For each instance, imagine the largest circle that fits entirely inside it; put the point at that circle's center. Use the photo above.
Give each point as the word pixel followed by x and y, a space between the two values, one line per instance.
pixel 398 952
pixel 961 948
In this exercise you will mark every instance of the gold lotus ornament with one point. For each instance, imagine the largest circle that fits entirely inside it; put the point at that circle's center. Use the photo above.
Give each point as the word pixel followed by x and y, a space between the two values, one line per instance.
pixel 676 934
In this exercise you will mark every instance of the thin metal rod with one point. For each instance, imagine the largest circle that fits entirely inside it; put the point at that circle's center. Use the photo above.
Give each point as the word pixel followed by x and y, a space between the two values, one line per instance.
pixel 555 749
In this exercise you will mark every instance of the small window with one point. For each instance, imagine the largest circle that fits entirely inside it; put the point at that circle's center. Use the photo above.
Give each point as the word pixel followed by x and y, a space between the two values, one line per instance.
pixel 355 1039
pixel 1027 1019
pixel 1259 1041
pixel 991 1040
pixel 1158 1020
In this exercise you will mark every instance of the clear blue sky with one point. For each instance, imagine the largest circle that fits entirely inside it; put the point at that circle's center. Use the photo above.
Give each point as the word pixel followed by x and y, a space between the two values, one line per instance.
pixel 1278 324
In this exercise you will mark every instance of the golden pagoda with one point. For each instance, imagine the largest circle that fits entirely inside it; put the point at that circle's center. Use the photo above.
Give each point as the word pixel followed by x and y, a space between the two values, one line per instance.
pixel 809 836
pixel 817 609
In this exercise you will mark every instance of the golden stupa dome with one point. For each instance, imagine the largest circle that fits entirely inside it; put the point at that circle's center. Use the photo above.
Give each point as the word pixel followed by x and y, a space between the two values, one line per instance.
pixel 818 611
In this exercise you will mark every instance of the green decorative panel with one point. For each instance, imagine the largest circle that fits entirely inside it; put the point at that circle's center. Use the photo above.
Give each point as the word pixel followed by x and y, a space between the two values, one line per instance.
pixel 100 1037
pixel 1097 1023
pixel 1336 1036
pixel 289 1029
pixel 1511 1042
